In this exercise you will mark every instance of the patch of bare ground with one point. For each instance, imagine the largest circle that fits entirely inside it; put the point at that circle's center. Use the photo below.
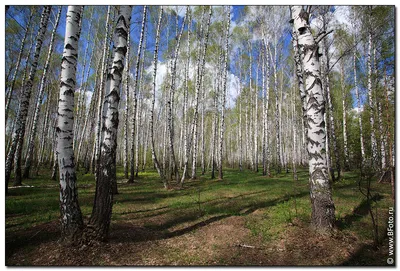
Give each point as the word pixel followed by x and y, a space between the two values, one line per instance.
pixel 217 240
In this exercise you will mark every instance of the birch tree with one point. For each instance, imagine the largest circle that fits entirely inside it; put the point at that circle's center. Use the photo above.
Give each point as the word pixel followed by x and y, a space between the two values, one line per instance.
pixel 71 216
pixel 323 209
pixel 132 176
pixel 99 224
pixel 222 125
pixel 153 99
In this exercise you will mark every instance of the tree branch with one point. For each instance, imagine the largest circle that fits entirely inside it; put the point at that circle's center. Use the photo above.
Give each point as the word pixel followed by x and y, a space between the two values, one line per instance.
pixel 322 35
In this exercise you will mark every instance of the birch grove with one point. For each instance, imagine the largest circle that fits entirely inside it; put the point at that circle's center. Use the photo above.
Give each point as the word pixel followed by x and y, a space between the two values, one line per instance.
pixel 210 91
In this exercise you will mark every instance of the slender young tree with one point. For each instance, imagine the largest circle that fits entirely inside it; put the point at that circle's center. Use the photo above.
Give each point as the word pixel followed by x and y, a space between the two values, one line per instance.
pixel 222 125
pixel 101 92
pixel 126 111
pixel 135 90
pixel 99 224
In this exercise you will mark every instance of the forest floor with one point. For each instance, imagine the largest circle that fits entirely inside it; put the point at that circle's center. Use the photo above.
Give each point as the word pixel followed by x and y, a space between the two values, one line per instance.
pixel 245 219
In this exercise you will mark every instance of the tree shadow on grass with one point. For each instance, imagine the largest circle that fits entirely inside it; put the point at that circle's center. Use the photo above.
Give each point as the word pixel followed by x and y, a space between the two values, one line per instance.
pixel 129 232
pixel 360 211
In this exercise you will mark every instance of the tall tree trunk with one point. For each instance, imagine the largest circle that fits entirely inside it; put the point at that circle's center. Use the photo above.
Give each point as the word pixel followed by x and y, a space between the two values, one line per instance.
pixel 100 219
pixel 374 150
pixel 359 109
pixel 95 160
pixel 330 109
pixel 323 209
pixel 82 88
pixel 71 216
pixel 31 143
pixel 345 146
pixel 222 127
pixel 256 121
pixel 199 79
pixel 19 132
pixel 214 128
pixel 266 161
pixel 175 168
pixel 185 104
pixel 14 78
pixel 153 99
pixel 126 111
pixel 239 101
pixel 132 176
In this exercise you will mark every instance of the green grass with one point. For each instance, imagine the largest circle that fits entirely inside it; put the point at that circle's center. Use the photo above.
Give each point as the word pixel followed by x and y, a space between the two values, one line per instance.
pixel 279 201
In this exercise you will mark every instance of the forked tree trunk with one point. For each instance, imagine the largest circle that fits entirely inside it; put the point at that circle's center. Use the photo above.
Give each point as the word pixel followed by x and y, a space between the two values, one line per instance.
pixel 19 131
pixel 99 224
pixel 71 216
pixel 323 209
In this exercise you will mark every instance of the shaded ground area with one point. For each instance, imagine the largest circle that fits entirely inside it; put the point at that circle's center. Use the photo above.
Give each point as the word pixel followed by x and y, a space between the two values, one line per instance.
pixel 246 219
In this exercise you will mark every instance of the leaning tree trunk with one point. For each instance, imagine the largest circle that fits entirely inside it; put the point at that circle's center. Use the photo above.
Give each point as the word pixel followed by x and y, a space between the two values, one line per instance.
pixel 19 131
pixel 31 144
pixel 99 224
pixel 71 216
pixel 132 176
pixel 222 126
pixel 323 209
pixel 14 78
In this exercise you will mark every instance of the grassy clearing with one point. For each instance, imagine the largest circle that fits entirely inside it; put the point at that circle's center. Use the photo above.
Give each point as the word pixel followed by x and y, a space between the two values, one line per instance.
pixel 268 207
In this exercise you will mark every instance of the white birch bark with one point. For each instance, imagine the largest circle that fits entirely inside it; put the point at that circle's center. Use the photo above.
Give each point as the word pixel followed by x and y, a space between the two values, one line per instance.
pixel 323 209
pixel 345 144
pixel 155 61
pixel 98 227
pixel 135 90
pixel 101 91
pixel 185 104
pixel 71 217
pixel 126 111
pixel 222 122
pixel 374 150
